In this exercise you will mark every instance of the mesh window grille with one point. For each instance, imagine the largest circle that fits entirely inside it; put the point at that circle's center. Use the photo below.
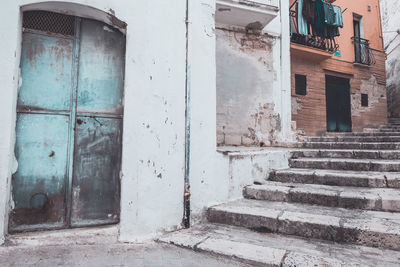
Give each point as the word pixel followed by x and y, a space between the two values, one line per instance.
pixel 49 22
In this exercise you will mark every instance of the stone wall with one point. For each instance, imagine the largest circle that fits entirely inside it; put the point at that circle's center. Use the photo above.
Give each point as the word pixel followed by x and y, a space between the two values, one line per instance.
pixel 391 34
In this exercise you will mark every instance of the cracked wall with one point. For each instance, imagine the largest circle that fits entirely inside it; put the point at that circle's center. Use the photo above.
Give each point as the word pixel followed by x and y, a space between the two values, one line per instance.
pixel 391 36
pixel 246 110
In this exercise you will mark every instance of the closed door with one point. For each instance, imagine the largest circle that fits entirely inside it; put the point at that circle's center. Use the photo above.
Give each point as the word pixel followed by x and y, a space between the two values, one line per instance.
pixel 338 108
pixel 69 124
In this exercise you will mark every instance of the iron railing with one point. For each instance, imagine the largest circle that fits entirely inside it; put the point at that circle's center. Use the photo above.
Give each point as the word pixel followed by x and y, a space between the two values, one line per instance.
pixel 362 50
pixel 310 40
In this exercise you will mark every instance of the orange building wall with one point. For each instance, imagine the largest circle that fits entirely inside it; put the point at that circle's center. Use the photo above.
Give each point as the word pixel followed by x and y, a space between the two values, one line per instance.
pixel 309 112
pixel 371 21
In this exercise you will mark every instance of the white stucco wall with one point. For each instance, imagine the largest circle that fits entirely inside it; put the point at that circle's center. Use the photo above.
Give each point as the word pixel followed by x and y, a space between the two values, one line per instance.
pixel 391 36
pixel 252 89
pixel 153 164
pixel 154 128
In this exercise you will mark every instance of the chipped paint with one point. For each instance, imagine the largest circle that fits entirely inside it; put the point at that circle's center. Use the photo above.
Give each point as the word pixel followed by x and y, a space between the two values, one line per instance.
pixel 244 75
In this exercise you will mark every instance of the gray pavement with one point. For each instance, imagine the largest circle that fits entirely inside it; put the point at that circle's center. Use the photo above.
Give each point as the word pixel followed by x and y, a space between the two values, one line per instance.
pixel 150 254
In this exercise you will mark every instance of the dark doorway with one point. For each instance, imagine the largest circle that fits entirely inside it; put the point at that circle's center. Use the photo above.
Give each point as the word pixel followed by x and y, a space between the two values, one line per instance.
pixel 357 40
pixel 338 109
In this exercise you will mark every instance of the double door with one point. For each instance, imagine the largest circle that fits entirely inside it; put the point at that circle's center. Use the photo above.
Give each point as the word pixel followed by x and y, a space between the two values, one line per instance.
pixel 69 128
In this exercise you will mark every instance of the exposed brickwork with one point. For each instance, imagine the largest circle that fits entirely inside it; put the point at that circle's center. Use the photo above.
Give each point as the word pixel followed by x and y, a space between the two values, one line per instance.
pixel 309 112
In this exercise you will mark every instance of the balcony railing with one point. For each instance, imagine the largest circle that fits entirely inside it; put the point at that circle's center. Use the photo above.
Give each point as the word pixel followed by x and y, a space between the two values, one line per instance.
pixel 362 50
pixel 310 40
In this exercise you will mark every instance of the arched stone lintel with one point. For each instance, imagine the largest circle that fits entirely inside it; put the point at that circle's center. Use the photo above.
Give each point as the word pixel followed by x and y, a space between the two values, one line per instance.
pixel 79 10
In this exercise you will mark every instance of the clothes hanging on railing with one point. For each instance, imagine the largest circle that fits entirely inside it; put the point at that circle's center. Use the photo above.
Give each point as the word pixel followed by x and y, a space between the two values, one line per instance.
pixel 330 19
pixel 301 22
pixel 308 11
pixel 323 18
pixel 320 26
pixel 329 14
pixel 338 16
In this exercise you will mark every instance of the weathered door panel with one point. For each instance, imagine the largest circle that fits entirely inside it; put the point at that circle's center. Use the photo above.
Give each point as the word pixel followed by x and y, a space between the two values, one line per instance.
pixel 338 106
pixel 101 69
pixel 69 129
pixel 46 68
pixel 97 163
pixel 39 183
pixel 97 159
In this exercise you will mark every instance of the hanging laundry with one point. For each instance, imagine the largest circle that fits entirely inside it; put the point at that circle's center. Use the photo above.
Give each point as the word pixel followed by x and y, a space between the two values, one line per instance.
pixel 338 16
pixel 309 11
pixel 329 14
pixel 320 26
pixel 301 22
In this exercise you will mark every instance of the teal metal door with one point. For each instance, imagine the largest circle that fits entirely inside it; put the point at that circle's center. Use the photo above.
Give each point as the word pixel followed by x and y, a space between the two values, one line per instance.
pixel 69 126
pixel 338 107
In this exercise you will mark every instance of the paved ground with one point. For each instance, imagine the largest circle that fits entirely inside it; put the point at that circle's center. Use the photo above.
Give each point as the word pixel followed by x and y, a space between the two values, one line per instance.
pixel 151 254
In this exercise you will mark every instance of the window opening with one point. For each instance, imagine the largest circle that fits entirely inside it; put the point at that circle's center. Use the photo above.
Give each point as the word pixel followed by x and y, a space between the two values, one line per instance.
pixel 364 100
pixel 301 84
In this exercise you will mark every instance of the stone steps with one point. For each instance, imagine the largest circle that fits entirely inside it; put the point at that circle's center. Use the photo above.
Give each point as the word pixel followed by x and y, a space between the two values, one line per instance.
pixel 343 188
pixel 372 134
pixel 390 129
pixel 378 199
pixel 375 165
pixel 369 228
pixel 267 249
pixel 358 139
pixel 347 153
pixel 350 145
pixel 338 178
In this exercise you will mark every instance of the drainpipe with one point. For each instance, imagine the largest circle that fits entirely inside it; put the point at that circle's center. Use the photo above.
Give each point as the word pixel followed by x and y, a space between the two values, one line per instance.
pixel 186 198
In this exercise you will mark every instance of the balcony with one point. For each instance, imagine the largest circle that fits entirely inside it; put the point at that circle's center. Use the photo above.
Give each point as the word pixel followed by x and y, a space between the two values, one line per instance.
pixel 246 14
pixel 362 51
pixel 309 46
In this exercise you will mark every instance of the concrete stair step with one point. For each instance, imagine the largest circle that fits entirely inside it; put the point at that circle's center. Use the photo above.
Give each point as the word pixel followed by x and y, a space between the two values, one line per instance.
pixel 347 153
pixel 396 134
pixel 376 165
pixel 358 139
pixel 389 129
pixel 378 199
pixel 267 249
pixel 338 178
pixel 369 228
pixel 349 145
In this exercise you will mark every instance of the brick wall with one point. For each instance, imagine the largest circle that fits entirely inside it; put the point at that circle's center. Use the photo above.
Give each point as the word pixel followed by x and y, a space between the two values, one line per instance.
pixel 309 112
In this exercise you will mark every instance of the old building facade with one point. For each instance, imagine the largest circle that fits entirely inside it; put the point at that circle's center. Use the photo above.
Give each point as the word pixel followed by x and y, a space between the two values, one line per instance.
pixel 339 84
pixel 391 35
pixel 109 110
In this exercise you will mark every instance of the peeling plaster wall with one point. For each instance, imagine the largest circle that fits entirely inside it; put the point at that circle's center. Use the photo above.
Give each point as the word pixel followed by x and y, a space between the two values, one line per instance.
pixel 374 91
pixel 214 177
pixel 253 86
pixel 245 94
pixel 391 24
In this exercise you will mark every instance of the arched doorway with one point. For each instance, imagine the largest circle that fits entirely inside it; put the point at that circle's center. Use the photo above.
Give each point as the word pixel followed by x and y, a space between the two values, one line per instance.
pixel 69 123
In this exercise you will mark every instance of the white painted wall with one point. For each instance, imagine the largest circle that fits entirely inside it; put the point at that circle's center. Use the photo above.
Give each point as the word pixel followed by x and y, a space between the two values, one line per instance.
pixel 154 122
pixel 391 36
pixel 154 128
pixel 253 85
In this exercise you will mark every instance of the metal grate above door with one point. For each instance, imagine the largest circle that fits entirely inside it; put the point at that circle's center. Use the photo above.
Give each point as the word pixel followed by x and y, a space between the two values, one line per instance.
pixel 49 22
